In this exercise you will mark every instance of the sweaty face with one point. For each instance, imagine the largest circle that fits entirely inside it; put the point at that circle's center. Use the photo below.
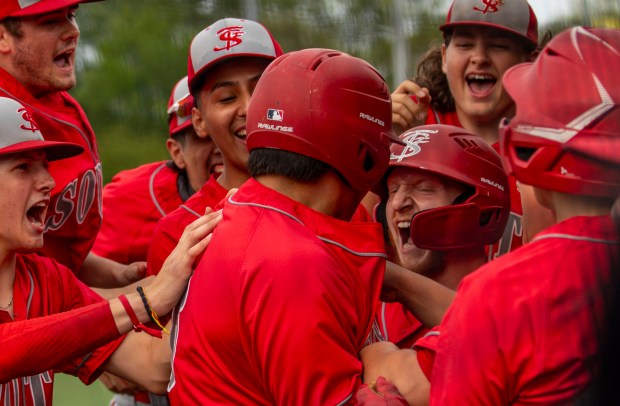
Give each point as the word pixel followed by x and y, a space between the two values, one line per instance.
pixel 25 187
pixel 43 59
pixel 474 62
pixel 409 192
pixel 223 105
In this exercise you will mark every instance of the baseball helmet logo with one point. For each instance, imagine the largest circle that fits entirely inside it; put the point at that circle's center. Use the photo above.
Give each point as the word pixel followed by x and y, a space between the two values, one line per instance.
pixel 275 115
pixel 230 35
pixel 413 141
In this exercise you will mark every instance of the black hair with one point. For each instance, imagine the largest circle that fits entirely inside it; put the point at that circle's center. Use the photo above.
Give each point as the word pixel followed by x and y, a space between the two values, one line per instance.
pixel 300 168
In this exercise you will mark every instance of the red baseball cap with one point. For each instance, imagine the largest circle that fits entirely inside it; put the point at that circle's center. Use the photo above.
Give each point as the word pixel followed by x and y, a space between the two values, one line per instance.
pixel 514 16
pixel 24 8
pixel 19 133
pixel 228 38
pixel 180 107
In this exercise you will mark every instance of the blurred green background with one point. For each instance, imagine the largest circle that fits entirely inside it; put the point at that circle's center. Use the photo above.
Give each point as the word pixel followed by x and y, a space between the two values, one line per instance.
pixel 132 52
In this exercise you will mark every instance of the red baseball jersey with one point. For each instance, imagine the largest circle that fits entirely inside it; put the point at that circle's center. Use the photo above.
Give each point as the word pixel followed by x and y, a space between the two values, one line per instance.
pixel 169 229
pixel 522 329
pixel 34 348
pixel 513 233
pixel 279 306
pixel 74 214
pixel 133 203
pixel 396 324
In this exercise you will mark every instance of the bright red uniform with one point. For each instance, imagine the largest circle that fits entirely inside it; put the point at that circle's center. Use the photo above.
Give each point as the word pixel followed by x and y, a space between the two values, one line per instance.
pixel 397 325
pixel 277 317
pixel 74 214
pixel 133 203
pixel 169 229
pixel 31 344
pixel 522 329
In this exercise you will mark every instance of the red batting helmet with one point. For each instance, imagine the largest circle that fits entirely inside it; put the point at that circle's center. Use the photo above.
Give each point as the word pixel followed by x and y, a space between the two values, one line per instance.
pixel 326 105
pixel 228 38
pixel 455 153
pixel 567 101
pixel 180 107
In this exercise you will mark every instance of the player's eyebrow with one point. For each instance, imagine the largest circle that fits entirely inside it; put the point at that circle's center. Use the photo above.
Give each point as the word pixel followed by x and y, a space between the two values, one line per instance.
pixel 230 83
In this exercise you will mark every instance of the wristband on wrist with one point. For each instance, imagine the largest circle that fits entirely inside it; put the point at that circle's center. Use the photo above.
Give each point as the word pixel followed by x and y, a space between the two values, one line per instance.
pixel 137 326
pixel 149 309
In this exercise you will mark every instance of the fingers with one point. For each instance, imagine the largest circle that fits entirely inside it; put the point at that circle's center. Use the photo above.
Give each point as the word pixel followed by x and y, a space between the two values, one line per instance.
pixel 410 104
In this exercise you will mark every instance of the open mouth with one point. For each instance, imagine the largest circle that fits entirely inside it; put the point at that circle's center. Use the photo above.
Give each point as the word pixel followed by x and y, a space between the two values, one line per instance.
pixel 480 83
pixel 404 231
pixel 241 134
pixel 63 60
pixel 36 213
pixel 217 168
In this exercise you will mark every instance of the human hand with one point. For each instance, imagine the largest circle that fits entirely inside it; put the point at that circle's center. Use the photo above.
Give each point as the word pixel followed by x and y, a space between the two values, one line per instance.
pixel 380 393
pixel 132 273
pixel 118 385
pixel 171 281
pixel 410 104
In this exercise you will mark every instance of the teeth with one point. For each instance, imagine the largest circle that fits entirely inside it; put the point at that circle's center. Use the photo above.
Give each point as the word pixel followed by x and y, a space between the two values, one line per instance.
pixel 241 133
pixel 480 77
pixel 403 224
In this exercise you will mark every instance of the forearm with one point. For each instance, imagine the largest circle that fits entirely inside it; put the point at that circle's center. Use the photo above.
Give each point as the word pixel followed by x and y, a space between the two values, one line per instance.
pixel 426 299
pixel 116 292
pixel 100 272
pixel 38 345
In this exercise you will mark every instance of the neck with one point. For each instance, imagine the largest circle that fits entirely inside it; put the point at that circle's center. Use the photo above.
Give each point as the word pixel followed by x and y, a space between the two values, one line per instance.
pixel 328 195
pixel 231 178
pixel 567 205
pixel 488 130
pixel 7 278
pixel 460 263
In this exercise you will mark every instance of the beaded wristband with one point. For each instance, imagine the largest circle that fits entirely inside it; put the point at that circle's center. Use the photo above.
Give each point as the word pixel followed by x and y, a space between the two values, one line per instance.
pixel 149 309
pixel 137 326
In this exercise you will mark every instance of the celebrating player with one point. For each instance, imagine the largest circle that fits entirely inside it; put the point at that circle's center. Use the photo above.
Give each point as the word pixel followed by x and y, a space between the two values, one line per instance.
pixel 279 308
pixel 50 321
pixel 534 313
pixel 38 43
pixel 460 84
pixel 443 198
pixel 222 76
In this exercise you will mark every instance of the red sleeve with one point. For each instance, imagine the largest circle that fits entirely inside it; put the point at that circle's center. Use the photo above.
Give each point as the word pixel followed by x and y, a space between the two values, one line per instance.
pixel 426 351
pixel 44 343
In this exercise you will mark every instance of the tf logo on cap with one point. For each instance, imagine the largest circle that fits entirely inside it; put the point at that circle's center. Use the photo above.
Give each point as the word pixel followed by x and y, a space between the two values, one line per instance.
pixel 19 133
pixel 228 38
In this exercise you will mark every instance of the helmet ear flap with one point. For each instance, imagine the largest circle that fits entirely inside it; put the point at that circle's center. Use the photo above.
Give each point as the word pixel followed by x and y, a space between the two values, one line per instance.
pixel 451 227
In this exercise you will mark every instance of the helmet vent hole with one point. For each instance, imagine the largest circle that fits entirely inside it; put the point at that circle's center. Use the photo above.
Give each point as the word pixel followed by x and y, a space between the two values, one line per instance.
pixel 367 163
pixel 524 154
pixel 489 216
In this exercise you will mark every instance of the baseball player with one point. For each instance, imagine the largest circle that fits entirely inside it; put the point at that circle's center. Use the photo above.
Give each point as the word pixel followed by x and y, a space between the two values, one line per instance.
pixel 282 302
pixel 527 322
pixel 49 321
pixel 443 198
pixel 136 199
pixel 37 69
pixel 460 84
pixel 226 60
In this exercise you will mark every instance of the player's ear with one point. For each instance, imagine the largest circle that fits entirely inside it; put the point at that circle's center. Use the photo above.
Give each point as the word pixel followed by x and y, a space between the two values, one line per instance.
pixel 443 58
pixel 199 123
pixel 176 153
pixel 6 40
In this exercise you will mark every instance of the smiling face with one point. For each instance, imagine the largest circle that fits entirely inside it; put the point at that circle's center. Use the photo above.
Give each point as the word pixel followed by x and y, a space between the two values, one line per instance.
pixel 25 187
pixel 42 58
pixel 474 61
pixel 222 109
pixel 409 192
